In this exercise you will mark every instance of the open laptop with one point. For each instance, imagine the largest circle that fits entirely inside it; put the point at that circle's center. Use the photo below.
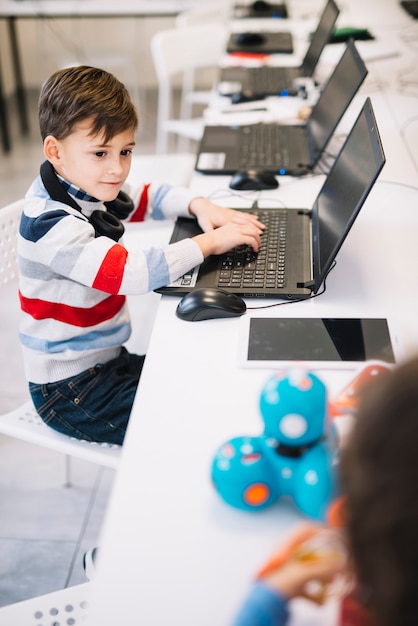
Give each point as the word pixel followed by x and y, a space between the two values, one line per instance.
pixel 307 240
pixel 269 80
pixel 292 149
pixel 260 42
pixel 260 8
pixel 411 7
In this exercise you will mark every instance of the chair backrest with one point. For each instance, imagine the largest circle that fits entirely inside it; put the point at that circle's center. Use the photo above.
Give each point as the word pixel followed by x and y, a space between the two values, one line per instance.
pixel 176 50
pixel 66 606
pixel 180 52
pixel 9 226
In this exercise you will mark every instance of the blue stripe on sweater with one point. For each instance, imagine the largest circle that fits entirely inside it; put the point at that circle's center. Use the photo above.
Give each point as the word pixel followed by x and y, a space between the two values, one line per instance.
pixel 34 229
pixel 32 269
pixel 157 212
pixel 157 268
pixel 90 341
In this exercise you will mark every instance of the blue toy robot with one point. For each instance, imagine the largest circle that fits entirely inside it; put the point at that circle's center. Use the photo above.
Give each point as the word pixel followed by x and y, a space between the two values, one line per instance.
pixel 294 456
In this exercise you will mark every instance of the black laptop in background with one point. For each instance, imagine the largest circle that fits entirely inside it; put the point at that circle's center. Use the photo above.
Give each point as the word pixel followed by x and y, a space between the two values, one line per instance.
pixel 260 8
pixel 268 80
pixel 260 42
pixel 411 7
pixel 284 148
pixel 305 241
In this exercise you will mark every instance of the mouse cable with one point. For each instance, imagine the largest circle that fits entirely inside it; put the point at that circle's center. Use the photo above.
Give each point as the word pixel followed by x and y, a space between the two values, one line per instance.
pixel 320 293
pixel 397 183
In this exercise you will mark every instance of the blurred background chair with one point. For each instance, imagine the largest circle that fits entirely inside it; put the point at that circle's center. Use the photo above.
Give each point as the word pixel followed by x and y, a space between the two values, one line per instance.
pixel 66 606
pixel 179 56
pixel 22 422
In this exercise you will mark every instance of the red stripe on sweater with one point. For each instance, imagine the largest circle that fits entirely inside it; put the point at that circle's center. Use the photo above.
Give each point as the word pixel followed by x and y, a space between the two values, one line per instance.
pixel 76 316
pixel 109 277
pixel 141 209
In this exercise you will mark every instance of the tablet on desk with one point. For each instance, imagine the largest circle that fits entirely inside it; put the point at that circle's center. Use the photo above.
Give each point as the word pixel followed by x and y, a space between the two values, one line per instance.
pixel 317 342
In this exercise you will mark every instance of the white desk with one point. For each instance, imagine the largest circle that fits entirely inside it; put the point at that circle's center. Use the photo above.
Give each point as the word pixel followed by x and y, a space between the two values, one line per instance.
pixel 171 551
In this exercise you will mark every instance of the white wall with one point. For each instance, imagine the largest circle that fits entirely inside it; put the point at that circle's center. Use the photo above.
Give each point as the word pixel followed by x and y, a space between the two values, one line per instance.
pixel 47 44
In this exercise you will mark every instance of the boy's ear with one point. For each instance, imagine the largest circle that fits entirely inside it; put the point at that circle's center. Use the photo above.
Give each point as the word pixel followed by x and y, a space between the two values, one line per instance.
pixel 51 149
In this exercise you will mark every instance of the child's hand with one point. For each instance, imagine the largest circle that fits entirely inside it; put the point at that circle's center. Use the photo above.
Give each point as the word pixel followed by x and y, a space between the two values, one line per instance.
pixel 312 560
pixel 228 236
pixel 212 216
pixel 224 228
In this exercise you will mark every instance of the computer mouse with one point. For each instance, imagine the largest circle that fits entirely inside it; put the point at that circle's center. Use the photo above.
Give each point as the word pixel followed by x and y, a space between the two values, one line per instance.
pixel 253 179
pixel 261 6
pixel 249 39
pixel 208 303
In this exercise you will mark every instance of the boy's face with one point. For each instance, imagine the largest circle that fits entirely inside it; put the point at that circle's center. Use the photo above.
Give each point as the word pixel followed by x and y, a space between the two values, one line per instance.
pixel 86 161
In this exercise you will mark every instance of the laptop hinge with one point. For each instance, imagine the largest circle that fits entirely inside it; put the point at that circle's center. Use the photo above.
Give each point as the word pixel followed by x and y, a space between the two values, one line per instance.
pixel 309 284
pixel 305 212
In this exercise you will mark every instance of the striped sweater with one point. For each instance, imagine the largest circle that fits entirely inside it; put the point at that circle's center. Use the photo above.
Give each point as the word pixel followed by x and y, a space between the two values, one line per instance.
pixel 73 286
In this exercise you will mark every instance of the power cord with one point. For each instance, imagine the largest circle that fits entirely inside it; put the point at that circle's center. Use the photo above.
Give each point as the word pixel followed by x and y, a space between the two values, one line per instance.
pixel 320 293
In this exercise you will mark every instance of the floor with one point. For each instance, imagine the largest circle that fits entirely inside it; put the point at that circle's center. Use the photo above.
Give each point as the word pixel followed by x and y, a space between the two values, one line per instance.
pixel 45 527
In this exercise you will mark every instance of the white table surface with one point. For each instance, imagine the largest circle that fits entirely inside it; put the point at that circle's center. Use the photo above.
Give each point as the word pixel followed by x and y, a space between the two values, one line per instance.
pixel 173 552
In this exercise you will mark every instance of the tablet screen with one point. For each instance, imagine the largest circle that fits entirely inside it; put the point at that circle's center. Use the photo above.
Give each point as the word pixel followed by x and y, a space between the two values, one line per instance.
pixel 322 340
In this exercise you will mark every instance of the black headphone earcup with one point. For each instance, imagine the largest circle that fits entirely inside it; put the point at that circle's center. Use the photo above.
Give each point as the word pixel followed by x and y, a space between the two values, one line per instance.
pixel 121 206
pixel 107 225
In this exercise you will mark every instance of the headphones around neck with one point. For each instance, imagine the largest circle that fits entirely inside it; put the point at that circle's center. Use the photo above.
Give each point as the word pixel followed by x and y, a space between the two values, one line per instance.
pixel 105 223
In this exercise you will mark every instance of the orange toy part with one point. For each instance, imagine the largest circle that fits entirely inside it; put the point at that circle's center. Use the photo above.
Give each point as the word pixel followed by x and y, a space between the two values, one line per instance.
pixel 300 536
pixel 336 514
pixel 347 399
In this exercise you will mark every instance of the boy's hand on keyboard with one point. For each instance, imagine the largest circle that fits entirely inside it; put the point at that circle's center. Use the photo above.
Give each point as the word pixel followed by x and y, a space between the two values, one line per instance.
pixel 229 236
pixel 211 216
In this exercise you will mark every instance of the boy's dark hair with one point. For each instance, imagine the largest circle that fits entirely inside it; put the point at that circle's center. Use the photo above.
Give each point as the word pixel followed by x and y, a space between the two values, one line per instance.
pixel 379 470
pixel 78 93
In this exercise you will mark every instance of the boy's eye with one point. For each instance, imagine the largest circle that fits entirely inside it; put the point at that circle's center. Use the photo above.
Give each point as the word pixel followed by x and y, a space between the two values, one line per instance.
pixel 126 152
pixel 101 153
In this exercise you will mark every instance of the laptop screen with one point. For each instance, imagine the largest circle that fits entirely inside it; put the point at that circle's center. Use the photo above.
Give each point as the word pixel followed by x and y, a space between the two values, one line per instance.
pixel 335 98
pixel 320 38
pixel 346 187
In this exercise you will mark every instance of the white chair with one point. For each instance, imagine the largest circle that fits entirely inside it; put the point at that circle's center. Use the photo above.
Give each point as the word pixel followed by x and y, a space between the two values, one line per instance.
pixel 182 52
pixel 66 606
pixel 23 422
pixel 215 12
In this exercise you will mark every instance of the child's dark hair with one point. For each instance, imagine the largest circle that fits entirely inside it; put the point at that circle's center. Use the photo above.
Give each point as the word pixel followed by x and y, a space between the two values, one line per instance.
pixel 78 93
pixel 379 470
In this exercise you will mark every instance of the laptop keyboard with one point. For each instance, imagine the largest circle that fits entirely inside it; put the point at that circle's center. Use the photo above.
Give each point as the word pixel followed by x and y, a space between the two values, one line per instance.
pixel 264 146
pixel 242 267
pixel 271 80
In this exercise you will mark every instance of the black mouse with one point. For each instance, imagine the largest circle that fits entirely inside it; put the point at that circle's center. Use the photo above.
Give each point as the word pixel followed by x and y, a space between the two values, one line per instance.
pixel 253 179
pixel 261 6
pixel 208 303
pixel 249 39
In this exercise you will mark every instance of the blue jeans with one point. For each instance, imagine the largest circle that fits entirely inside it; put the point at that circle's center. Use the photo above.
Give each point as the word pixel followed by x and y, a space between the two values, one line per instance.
pixel 94 405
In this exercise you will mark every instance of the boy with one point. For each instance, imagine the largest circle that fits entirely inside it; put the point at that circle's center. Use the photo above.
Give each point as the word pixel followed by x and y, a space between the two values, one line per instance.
pixel 75 272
